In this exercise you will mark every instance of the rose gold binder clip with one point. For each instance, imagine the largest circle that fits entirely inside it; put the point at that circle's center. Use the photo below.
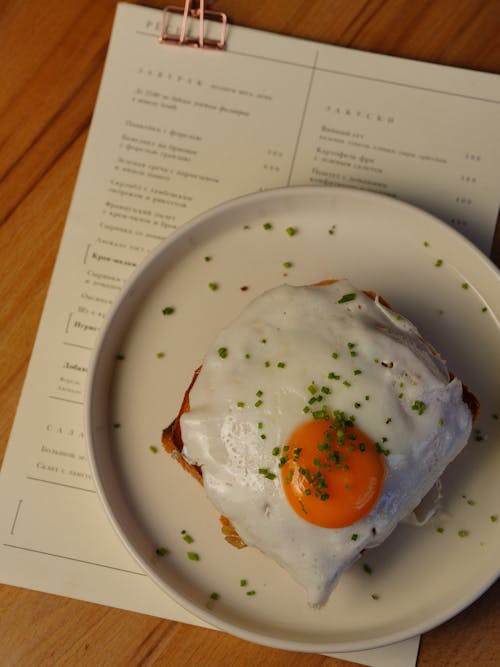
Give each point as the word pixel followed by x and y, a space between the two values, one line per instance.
pixel 198 13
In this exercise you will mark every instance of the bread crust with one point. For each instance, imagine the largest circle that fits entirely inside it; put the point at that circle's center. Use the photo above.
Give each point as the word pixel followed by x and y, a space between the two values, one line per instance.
pixel 173 444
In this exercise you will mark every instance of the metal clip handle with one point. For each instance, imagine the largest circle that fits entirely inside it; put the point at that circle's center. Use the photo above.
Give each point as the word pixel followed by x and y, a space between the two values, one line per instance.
pixel 199 13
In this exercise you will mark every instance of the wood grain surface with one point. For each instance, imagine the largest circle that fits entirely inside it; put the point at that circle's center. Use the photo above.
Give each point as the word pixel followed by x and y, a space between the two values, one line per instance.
pixel 52 54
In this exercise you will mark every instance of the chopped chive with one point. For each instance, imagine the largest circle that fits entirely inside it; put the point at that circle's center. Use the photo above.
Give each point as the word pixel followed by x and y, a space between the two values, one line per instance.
pixel 494 518
pixel 160 355
pixel 213 286
pixel 153 448
pixel 267 225
pixel 207 258
pixel 367 568
pixel 258 403
pixel 357 372
pixel 275 451
pixel 214 596
pixel 291 231
pixel 347 297
pixel 187 538
pixel 375 596
pixel 465 285
pixel 222 352
pixel 478 436
pixel 250 593
pixel 463 533
pixel 281 364
pixel 267 473
pixel 240 404
pixel 243 582
pixel 439 529
pixel 161 551
pixel 192 555
pixel 168 310
pixel 335 355
pixel 354 537
pixel 120 357
pixel 419 406
pixel 287 265
pixel 439 262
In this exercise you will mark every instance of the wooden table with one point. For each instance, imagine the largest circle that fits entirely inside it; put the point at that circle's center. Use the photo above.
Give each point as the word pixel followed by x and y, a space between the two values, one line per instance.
pixel 52 54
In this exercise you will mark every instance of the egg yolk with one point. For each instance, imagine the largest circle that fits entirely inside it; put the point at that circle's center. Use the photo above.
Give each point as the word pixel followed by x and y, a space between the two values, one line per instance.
pixel 332 474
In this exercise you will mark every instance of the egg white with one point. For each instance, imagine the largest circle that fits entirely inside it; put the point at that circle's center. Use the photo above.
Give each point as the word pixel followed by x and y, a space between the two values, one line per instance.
pixel 250 395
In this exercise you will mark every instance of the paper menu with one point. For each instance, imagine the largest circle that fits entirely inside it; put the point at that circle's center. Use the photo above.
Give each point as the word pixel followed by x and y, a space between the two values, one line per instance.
pixel 175 132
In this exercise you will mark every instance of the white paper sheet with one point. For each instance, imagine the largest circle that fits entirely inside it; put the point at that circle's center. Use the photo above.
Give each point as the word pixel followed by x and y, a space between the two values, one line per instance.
pixel 176 131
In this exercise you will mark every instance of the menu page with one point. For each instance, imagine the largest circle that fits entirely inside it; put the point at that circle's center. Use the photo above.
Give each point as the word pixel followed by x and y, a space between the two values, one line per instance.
pixel 175 132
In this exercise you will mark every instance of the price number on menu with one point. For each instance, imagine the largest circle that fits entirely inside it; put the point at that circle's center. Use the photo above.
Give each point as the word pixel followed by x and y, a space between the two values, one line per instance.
pixel 273 160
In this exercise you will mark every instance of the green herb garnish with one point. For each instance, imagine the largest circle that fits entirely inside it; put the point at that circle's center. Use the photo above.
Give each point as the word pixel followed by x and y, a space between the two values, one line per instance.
pixel 267 473
pixel 161 551
pixel 347 297
pixel 419 406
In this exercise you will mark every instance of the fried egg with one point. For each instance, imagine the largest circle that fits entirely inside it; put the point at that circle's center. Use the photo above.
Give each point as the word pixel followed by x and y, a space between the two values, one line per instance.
pixel 320 419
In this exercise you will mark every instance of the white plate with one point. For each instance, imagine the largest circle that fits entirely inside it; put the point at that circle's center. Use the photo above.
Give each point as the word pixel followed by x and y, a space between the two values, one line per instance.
pixel 420 577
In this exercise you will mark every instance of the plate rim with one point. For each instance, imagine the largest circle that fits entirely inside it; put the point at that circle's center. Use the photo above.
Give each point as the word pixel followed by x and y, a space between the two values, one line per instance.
pixel 89 406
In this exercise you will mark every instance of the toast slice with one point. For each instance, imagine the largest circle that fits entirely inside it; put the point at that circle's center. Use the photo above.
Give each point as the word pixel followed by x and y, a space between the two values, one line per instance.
pixel 173 444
